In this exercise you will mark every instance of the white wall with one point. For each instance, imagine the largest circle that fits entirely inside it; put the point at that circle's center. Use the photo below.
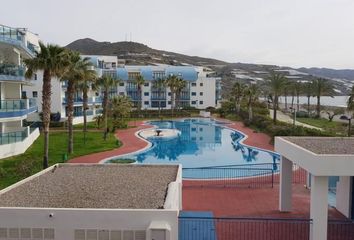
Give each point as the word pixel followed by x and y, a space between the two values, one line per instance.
pixel 66 221
pixel 344 196
pixel 13 149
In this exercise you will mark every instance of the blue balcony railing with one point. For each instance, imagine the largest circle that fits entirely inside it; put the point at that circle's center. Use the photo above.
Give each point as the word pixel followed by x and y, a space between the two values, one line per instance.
pixel 13 36
pixel 12 72
pixel 17 107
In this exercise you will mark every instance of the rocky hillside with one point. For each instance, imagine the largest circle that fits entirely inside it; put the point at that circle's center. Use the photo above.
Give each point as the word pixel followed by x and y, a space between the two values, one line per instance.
pixel 140 54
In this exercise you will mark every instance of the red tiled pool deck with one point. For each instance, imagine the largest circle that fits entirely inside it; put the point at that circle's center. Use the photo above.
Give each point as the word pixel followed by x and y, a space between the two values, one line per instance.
pixel 130 143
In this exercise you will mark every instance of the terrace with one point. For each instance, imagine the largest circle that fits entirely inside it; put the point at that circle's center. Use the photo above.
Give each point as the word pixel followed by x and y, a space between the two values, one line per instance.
pixel 70 201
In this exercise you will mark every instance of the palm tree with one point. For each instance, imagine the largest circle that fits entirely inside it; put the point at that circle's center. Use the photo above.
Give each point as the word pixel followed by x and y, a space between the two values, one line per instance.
pixel 160 85
pixel 172 82
pixel 350 103
pixel 181 84
pixel 139 82
pixel 276 82
pixel 286 93
pixel 53 60
pixel 298 90
pixel 79 69
pixel 86 83
pixel 322 87
pixel 121 107
pixel 251 94
pixel 308 90
pixel 106 83
pixel 238 92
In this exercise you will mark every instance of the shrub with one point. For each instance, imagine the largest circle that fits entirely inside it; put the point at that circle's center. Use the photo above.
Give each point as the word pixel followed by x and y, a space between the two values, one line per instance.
pixel 119 124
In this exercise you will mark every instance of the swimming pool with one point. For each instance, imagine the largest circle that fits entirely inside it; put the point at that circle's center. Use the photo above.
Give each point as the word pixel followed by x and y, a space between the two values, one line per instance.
pixel 202 143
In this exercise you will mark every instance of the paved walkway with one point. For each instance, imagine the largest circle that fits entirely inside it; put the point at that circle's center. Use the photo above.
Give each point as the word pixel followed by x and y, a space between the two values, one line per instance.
pixel 282 117
pixel 130 143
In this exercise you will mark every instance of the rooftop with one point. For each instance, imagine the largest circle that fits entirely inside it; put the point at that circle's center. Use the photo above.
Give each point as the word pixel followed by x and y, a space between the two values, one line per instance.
pixel 325 145
pixel 93 186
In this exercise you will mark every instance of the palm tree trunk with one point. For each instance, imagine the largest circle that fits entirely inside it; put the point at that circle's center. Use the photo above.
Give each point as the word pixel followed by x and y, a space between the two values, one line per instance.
pixel 275 108
pixel 70 113
pixel 318 107
pixel 105 113
pixel 85 107
pixel 250 112
pixel 46 103
pixel 172 102
pixel 308 105
pixel 292 101
pixel 286 100
pixel 238 107
pixel 298 102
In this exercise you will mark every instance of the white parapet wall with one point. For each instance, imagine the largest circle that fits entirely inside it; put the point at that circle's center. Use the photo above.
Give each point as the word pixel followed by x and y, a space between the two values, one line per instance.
pixel 12 149
pixel 75 224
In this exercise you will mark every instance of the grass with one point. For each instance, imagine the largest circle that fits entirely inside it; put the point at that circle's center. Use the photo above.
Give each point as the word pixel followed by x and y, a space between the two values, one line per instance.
pixel 14 169
pixel 336 128
pixel 122 161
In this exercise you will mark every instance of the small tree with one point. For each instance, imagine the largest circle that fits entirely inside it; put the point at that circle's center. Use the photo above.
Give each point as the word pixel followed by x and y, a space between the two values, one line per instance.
pixel 251 94
pixel 276 83
pixel 322 87
pixel 139 82
pixel 332 113
pixel 238 93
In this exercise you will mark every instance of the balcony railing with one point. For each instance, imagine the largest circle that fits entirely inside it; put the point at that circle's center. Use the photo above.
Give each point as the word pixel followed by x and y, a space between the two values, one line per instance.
pixel 11 71
pixel 17 107
pixel 12 36
pixel 16 136
pixel 81 113
pixel 79 100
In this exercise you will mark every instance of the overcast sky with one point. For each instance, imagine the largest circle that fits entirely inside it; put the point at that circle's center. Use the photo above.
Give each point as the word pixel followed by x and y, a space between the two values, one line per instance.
pixel 310 33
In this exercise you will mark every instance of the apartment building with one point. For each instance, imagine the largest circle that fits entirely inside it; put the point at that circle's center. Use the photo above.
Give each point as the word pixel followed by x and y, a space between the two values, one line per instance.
pixel 202 90
pixel 16 44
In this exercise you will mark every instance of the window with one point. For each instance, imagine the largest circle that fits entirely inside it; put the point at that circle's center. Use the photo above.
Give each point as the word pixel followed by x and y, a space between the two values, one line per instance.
pixel 146 93
pixel 121 84
pixel 34 94
pixel 24 94
pixel 194 94
pixel 121 93
pixel 169 93
pixel 194 102
pixel 201 94
pixel 194 129
pixel 200 129
pixel 194 84
pixel 169 102
pixel 146 103
pixel 201 102
pixel 35 76
pixel 201 84
pixel 146 84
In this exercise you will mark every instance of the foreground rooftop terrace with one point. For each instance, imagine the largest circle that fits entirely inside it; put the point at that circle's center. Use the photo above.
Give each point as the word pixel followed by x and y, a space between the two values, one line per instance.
pixel 93 186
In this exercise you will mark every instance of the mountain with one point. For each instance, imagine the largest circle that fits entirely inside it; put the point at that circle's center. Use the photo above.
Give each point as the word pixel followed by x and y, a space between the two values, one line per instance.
pixel 347 74
pixel 139 54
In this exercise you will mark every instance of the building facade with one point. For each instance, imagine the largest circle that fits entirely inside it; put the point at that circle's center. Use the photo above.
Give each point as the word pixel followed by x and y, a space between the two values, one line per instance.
pixel 16 44
pixel 202 90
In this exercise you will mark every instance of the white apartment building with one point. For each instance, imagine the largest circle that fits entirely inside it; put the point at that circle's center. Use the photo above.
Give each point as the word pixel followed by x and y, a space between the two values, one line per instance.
pixel 16 44
pixel 202 90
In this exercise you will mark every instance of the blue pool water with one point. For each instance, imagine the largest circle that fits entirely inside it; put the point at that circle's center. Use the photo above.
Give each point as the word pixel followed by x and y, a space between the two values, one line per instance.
pixel 202 143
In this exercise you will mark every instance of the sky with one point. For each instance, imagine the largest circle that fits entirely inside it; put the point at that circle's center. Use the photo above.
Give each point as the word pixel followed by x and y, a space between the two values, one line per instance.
pixel 296 33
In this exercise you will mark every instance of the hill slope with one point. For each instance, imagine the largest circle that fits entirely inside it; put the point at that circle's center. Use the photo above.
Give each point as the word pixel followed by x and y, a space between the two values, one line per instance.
pixel 140 54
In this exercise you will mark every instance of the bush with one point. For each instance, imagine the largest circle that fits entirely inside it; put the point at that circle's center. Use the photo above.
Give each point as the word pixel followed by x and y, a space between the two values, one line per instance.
pixel 119 124
pixel 123 161
pixel 302 114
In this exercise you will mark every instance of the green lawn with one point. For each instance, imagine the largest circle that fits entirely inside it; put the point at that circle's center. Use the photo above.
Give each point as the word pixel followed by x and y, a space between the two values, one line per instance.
pixel 334 127
pixel 18 167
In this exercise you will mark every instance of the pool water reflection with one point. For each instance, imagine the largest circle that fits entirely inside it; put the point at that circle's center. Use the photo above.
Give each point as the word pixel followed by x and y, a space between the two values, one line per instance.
pixel 202 143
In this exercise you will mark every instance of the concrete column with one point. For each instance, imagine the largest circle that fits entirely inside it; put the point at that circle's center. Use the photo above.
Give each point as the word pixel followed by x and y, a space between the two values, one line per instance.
pixel 319 207
pixel 285 191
